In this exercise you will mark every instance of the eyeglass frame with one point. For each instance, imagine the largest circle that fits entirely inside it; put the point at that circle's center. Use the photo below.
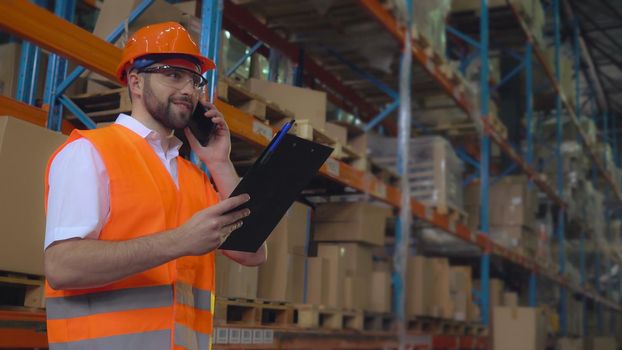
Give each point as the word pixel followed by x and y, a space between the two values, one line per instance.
pixel 158 69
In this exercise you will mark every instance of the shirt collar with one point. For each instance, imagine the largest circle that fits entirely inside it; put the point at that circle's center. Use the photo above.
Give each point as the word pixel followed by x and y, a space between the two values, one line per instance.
pixel 143 131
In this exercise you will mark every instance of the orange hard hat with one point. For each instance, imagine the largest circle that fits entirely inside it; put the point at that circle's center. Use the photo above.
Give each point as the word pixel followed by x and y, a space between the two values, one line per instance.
pixel 161 40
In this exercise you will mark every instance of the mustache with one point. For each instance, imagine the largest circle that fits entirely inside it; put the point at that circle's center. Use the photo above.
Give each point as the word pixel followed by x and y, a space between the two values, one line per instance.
pixel 182 99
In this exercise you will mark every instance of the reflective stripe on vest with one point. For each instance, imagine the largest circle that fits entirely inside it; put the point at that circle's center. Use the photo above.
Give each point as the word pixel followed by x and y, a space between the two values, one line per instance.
pixel 156 340
pixel 188 295
pixel 109 301
pixel 189 339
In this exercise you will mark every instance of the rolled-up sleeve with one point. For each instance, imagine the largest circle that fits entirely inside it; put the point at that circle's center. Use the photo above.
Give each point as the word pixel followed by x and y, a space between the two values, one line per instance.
pixel 78 197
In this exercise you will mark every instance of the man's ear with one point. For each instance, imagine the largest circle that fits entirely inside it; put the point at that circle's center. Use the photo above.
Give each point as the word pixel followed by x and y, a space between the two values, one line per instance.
pixel 135 83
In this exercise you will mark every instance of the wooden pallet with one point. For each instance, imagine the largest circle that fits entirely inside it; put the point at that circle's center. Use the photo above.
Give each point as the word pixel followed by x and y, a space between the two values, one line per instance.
pixel 18 289
pixel 240 97
pixel 310 316
pixel 378 321
pixel 434 325
pixel 105 106
pixel 456 215
pixel 232 311
pixel 303 129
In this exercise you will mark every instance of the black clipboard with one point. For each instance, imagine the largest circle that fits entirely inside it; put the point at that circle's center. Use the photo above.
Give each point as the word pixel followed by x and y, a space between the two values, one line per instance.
pixel 273 182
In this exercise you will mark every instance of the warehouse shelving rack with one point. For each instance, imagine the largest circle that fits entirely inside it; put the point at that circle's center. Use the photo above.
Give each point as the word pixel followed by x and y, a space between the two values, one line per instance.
pixel 48 31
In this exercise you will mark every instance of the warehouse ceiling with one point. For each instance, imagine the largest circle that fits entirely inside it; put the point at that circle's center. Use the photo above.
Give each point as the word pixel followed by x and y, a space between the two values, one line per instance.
pixel 601 25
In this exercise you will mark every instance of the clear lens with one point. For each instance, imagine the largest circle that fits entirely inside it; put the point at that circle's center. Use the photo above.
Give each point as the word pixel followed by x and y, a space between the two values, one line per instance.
pixel 176 77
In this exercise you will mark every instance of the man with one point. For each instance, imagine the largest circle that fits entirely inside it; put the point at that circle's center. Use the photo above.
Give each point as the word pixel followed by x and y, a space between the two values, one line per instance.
pixel 131 226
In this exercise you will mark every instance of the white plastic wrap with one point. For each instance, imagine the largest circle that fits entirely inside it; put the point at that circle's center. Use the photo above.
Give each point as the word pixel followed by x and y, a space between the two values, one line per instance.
pixel 429 17
pixel 434 171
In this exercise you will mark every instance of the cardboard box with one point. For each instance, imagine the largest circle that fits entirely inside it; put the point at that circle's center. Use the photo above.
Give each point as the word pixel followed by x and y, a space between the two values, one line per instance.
pixel 292 233
pixel 337 132
pixel 317 281
pixel 357 257
pixel 380 299
pixel 441 303
pixel 511 203
pixel 234 280
pixel 356 292
pixel 602 343
pixel 353 222
pixel 518 328
pixel 418 286
pixel 9 67
pixel 24 152
pixel 337 273
pixel 305 103
pixel 281 278
pixel 510 299
pixel 359 144
pixel 496 292
pixel 569 344
pixel 461 286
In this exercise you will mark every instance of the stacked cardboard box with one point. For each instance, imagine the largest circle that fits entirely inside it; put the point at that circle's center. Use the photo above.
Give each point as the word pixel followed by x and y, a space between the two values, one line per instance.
pixel 306 104
pixel 461 289
pixel 381 292
pixel 24 152
pixel 281 278
pixel 601 343
pixel 234 280
pixel 569 344
pixel 347 233
pixel 434 170
pixel 518 328
pixel 512 212
pixel 428 291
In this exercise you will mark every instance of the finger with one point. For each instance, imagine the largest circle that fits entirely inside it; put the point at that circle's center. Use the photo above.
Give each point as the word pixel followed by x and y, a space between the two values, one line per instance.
pixel 226 231
pixel 194 143
pixel 209 106
pixel 229 204
pixel 235 216
pixel 212 113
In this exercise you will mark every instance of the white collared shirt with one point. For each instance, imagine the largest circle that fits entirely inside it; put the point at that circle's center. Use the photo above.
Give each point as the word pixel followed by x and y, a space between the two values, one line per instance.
pixel 78 198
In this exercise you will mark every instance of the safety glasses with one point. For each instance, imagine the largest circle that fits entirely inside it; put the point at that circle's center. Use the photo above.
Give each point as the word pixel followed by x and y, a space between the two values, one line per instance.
pixel 176 77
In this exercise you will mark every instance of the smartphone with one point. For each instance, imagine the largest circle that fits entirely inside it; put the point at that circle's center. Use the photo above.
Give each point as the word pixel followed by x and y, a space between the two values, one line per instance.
pixel 201 126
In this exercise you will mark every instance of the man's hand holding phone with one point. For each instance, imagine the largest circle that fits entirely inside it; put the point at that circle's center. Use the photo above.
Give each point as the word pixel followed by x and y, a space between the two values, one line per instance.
pixel 208 134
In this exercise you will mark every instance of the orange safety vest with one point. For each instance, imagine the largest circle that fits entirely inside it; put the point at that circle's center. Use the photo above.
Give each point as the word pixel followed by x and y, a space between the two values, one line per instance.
pixel 166 307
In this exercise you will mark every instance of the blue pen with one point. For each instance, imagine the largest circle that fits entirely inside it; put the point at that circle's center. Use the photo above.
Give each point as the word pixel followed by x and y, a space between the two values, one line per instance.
pixel 280 134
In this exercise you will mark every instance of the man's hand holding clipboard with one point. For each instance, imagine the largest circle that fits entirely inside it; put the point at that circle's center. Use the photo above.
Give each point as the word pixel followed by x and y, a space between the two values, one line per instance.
pixel 273 182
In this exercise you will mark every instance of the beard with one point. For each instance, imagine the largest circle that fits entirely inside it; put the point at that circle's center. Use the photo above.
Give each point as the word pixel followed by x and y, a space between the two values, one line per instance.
pixel 163 111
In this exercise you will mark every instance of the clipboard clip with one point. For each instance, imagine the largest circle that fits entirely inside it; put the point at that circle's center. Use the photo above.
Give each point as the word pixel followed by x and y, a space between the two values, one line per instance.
pixel 277 139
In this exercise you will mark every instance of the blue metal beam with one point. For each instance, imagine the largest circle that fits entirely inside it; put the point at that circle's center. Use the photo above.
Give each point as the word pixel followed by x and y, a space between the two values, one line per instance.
pixel 382 115
pixel 466 38
pixel 27 81
pixel 510 75
pixel 211 27
pixel 243 59
pixel 112 37
pixel 560 176
pixel 358 70
pixel 298 72
pixel 75 110
pixel 484 162
pixel 533 289
pixel 528 59
pixel 57 69
pixel 465 157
